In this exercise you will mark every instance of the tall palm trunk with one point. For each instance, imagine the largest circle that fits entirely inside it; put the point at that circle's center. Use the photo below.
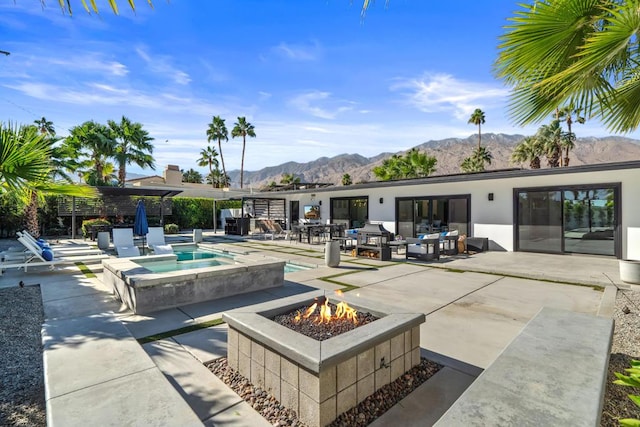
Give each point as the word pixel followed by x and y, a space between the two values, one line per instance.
pixel 242 161
pixel 31 216
pixel 122 174
pixel 479 136
pixel 224 170
pixel 566 152
pixel 535 163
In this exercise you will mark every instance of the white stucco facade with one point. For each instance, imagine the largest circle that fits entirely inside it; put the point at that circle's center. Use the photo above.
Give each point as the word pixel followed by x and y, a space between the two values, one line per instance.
pixel 493 219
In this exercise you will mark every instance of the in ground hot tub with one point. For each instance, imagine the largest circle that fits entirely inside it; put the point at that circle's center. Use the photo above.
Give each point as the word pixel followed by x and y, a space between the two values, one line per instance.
pixel 150 283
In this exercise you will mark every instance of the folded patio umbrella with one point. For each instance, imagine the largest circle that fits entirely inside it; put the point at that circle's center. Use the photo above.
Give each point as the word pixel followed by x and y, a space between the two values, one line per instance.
pixel 140 224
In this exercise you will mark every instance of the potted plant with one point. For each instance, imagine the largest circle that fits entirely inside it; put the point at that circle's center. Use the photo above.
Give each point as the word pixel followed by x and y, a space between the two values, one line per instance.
pixel 630 271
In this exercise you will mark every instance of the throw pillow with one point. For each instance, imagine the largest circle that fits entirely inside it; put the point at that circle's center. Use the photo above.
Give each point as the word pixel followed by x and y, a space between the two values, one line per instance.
pixel 47 254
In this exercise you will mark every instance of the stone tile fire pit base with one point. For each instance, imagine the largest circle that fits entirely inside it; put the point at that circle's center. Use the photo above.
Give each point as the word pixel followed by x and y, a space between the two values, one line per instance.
pixel 321 379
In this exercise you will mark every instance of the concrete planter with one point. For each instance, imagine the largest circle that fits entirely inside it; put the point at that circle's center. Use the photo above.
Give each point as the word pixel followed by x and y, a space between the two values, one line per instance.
pixel 332 254
pixel 630 271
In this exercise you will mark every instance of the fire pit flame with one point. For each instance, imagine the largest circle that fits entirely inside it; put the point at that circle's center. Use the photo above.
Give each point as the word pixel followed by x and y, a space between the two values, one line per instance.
pixel 343 312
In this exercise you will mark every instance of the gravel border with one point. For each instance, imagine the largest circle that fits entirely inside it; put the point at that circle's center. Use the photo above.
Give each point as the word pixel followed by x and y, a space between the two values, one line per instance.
pixel 626 346
pixel 21 373
pixel 362 415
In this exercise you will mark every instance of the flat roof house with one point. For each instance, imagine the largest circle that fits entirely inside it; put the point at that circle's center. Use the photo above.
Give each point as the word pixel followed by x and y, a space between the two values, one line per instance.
pixel 590 209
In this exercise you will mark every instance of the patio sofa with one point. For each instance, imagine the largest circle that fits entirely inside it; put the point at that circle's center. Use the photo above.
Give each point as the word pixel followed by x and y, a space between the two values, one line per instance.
pixel 425 249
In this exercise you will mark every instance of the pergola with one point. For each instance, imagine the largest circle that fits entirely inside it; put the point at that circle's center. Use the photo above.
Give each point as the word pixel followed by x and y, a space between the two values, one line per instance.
pixel 115 201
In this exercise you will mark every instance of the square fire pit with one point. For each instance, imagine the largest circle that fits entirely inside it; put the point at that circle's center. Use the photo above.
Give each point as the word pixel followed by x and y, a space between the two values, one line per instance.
pixel 319 380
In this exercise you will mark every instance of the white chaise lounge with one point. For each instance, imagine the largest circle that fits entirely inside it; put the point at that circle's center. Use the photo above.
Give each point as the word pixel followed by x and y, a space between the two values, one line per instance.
pixel 123 242
pixel 37 257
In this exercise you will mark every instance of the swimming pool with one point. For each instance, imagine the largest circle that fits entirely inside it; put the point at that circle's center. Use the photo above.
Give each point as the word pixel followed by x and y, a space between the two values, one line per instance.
pixel 198 254
pixel 167 266
pixel 292 268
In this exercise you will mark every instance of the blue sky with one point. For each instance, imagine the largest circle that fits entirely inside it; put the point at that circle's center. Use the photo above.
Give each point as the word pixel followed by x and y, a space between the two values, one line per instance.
pixel 312 76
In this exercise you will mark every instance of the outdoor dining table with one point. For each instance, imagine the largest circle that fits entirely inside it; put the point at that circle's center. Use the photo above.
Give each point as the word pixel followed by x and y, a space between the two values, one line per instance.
pixel 307 229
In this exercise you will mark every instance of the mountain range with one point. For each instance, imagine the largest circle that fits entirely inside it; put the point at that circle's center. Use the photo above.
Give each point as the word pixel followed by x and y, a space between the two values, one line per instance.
pixel 449 152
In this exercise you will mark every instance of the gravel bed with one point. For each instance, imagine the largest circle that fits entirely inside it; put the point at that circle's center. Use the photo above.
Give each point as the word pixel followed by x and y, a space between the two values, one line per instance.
pixel 321 331
pixel 626 346
pixel 21 372
pixel 363 414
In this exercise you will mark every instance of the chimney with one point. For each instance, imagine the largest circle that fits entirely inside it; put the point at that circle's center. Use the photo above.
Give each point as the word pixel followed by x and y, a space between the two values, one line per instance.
pixel 172 175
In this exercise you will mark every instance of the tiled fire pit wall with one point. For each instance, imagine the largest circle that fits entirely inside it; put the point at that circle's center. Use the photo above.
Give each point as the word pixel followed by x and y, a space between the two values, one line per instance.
pixel 319 380
pixel 144 291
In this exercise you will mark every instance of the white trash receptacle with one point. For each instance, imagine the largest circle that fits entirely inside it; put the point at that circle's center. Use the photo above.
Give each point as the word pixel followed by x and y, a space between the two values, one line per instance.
pixel 103 240
pixel 197 235
pixel 332 253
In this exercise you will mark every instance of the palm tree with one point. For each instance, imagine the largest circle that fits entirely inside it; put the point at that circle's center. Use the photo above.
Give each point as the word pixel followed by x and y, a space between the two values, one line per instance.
pixel 65 5
pixel 218 131
pixel 208 157
pixel 529 151
pixel 216 178
pixel 289 178
pixel 243 128
pixel 476 162
pixel 346 179
pixel 552 138
pixel 419 164
pixel 192 176
pixel 477 118
pixel 567 113
pixel 45 126
pixel 96 143
pixel 574 52
pixel 25 170
pixel 106 177
pixel 414 164
pixel 133 146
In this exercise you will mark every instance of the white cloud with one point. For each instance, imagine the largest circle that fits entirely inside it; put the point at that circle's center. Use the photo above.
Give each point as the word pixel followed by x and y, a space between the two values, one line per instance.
pixel 320 104
pixel 433 93
pixel 162 65
pixel 264 95
pixel 298 52
pixel 96 94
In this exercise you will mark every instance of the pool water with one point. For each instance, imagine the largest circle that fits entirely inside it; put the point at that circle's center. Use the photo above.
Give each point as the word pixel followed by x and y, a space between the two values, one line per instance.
pixel 197 254
pixel 291 268
pixel 167 266
pixel 190 259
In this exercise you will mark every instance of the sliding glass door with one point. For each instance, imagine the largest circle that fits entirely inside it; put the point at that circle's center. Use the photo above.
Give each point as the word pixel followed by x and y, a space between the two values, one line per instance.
pixel 432 214
pixel 580 219
pixel 353 212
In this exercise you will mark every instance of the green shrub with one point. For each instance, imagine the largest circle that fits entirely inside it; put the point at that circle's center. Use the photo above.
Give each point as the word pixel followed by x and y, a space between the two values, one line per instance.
pixel 631 380
pixel 192 212
pixel 171 228
pixel 89 222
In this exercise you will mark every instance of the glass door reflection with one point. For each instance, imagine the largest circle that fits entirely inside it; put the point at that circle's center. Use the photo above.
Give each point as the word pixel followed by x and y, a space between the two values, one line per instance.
pixel 589 221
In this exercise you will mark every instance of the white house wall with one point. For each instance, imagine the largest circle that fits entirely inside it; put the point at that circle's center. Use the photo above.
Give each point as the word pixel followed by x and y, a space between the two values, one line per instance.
pixel 493 219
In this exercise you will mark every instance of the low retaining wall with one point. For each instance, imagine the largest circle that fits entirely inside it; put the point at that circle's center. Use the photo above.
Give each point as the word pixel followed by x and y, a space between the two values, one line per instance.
pixel 144 291
pixel 552 374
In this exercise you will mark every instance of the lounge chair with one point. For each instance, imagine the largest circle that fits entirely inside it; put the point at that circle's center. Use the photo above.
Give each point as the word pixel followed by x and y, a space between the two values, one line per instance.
pixel 276 229
pixel 155 236
pixel 127 251
pixel 162 249
pixel 39 257
pixel 123 242
pixel 23 253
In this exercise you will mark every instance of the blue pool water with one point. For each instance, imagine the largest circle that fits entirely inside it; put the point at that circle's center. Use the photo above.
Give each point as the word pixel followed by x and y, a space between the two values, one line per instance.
pixel 167 266
pixel 198 254
pixel 291 268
